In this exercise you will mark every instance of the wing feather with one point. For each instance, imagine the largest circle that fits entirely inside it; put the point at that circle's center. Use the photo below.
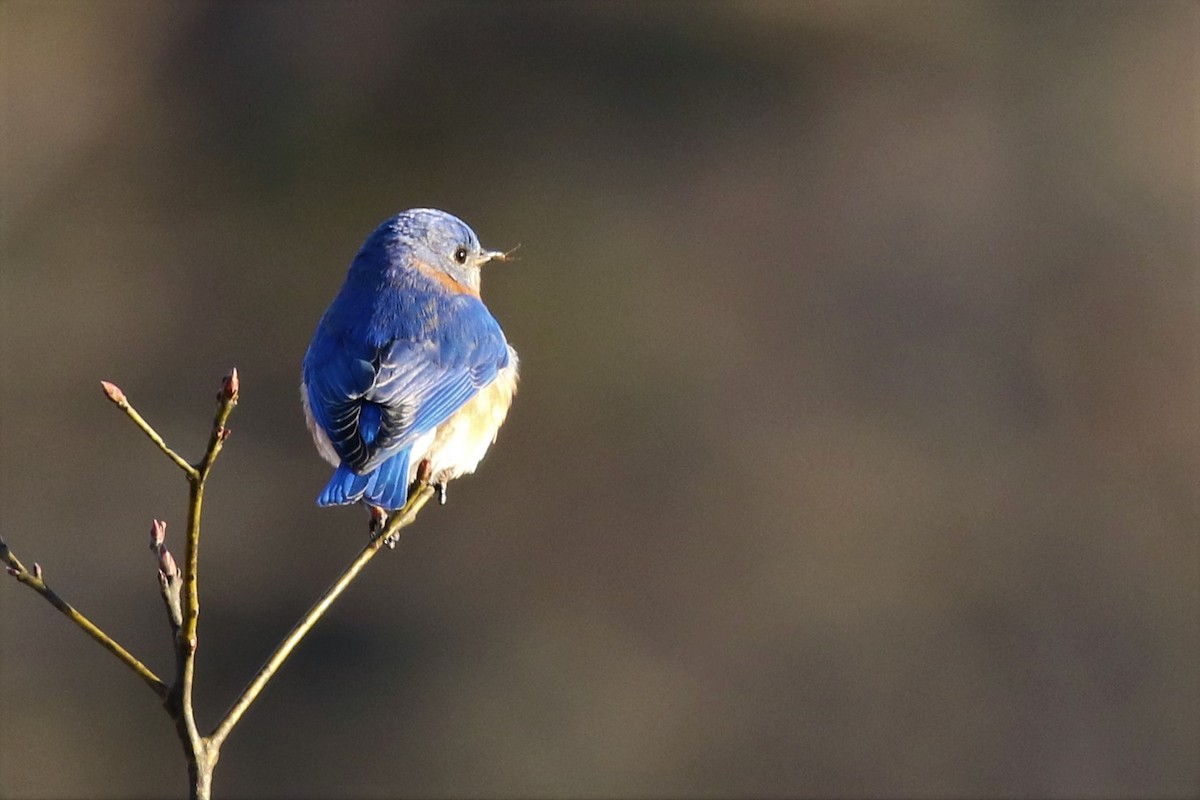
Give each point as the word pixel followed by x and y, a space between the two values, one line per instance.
pixel 410 385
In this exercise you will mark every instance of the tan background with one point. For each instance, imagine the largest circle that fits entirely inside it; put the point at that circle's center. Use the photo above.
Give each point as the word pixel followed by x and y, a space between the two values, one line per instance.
pixel 857 451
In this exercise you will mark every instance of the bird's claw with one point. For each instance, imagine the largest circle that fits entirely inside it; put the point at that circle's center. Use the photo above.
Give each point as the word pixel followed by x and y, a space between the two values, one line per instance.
pixel 378 521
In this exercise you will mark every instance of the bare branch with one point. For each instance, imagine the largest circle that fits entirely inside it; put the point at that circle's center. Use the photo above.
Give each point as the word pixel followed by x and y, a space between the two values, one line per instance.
pixel 35 581
pixel 179 588
pixel 114 393
pixel 201 754
pixel 401 519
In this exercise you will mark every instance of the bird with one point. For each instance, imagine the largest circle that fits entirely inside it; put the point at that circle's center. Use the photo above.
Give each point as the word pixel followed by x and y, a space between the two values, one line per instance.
pixel 408 376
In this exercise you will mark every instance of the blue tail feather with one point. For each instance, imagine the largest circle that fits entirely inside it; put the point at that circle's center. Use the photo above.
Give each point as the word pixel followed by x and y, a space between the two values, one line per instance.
pixel 388 486
pixel 346 486
pixel 385 486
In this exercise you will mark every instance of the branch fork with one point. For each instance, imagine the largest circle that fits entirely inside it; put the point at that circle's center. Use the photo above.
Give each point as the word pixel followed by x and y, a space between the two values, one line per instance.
pixel 179 588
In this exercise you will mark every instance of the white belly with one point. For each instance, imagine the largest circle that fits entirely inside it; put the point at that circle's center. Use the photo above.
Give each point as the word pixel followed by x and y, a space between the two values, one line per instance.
pixel 459 443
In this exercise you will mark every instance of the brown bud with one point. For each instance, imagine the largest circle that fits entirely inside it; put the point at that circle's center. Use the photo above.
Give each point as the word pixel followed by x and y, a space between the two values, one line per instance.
pixel 114 392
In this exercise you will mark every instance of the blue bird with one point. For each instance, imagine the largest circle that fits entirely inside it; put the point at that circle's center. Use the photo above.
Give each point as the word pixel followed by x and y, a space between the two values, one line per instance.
pixel 408 376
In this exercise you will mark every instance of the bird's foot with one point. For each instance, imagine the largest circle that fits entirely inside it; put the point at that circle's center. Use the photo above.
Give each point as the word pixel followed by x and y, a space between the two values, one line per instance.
pixel 379 518
pixel 425 478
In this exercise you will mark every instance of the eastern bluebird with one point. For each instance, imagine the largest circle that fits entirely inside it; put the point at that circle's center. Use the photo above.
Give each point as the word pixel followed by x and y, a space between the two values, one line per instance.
pixel 408 375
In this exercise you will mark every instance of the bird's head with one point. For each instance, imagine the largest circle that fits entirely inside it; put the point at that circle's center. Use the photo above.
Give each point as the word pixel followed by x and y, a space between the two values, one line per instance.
pixel 438 245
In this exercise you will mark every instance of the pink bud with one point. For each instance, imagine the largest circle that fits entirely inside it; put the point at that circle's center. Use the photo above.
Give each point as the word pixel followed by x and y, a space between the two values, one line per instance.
pixel 37 570
pixel 166 563
pixel 230 385
pixel 158 534
pixel 114 392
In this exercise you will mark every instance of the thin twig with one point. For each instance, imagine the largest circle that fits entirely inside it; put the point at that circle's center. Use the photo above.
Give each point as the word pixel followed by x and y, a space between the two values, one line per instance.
pixel 34 580
pixel 114 393
pixel 401 519
pixel 202 755
pixel 227 398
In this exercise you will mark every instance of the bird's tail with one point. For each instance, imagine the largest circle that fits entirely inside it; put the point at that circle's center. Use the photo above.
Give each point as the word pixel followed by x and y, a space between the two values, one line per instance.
pixel 385 486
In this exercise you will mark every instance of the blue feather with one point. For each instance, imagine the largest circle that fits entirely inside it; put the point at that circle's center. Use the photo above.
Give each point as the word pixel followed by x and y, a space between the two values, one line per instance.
pixel 346 486
pixel 385 486
pixel 388 486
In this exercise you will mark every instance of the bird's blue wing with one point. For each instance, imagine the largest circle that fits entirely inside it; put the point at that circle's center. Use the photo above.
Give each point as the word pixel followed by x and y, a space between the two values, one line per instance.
pixel 336 376
pixel 374 401
pixel 420 384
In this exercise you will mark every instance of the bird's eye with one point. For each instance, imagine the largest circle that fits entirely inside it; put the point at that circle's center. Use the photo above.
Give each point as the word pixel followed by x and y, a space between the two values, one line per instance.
pixel 460 255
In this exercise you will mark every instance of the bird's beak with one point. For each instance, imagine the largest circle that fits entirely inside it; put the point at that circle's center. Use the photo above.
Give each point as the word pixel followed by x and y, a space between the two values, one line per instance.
pixel 498 255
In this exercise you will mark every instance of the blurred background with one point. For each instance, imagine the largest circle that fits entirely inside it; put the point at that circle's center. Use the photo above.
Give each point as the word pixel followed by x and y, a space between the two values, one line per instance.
pixel 858 442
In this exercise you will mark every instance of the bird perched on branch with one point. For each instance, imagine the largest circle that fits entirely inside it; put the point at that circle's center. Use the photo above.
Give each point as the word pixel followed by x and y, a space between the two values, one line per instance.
pixel 408 377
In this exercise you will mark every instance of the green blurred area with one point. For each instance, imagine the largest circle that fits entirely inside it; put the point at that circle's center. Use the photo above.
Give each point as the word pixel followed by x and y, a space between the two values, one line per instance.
pixel 857 447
